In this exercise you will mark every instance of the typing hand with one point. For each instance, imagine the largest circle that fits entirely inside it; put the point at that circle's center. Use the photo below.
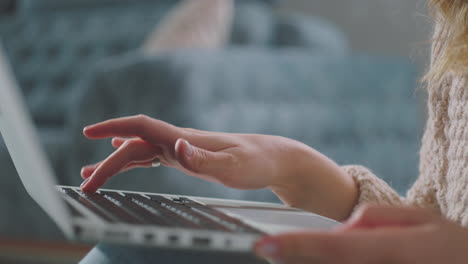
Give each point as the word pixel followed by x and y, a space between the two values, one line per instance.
pixel 235 160
pixel 299 175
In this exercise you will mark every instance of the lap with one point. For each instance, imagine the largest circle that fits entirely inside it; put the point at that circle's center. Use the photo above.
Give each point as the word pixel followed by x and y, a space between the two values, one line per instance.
pixel 118 254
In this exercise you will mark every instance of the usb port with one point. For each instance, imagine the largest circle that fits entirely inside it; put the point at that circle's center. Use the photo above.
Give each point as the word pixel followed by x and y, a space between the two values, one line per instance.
pixel 201 241
pixel 173 239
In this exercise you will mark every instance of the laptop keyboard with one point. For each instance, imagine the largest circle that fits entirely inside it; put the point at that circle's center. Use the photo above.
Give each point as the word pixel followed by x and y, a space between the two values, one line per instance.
pixel 132 208
pixel 86 203
pixel 146 215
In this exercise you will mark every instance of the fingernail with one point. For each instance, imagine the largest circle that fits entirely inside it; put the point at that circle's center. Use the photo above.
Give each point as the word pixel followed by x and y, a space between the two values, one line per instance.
pixel 267 249
pixel 85 181
pixel 188 149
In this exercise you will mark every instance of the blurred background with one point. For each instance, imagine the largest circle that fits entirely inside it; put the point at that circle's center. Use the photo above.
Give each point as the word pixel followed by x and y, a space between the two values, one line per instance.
pixel 341 76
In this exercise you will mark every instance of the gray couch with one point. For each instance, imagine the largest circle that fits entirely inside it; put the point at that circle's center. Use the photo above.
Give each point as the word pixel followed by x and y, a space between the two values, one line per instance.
pixel 286 75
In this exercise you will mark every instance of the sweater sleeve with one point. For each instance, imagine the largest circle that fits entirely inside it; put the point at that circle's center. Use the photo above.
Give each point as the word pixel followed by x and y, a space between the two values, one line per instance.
pixel 433 159
pixel 372 190
pixel 432 166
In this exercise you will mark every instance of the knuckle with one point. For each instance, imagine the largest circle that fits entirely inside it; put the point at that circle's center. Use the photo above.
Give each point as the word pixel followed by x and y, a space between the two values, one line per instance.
pixel 129 143
pixel 131 148
pixel 142 122
pixel 126 144
pixel 141 119
pixel 200 161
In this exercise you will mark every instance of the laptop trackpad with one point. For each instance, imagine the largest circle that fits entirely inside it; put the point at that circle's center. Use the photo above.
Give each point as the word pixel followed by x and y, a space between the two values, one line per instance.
pixel 276 221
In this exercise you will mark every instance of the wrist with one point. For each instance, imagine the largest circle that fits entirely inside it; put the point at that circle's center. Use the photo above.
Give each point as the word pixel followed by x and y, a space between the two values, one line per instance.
pixel 312 182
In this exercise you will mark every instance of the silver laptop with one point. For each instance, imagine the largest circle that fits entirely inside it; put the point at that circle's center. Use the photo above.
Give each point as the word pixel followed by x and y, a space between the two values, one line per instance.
pixel 147 219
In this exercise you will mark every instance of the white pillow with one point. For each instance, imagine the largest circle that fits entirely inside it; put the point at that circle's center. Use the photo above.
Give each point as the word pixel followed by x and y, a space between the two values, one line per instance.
pixel 199 24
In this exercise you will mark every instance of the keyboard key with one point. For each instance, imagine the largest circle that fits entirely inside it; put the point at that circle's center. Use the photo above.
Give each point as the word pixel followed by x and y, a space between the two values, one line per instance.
pixel 97 211
pixel 175 216
pixel 138 209
pixel 209 217
pixel 116 212
pixel 232 223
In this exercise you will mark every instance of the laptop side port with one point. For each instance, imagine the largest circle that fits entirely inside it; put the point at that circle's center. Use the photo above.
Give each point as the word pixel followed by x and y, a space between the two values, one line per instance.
pixel 77 230
pixel 173 239
pixel 201 241
pixel 149 237
pixel 116 235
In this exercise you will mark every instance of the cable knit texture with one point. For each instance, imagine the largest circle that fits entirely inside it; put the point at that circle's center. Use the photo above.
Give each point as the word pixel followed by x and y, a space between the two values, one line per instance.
pixel 443 181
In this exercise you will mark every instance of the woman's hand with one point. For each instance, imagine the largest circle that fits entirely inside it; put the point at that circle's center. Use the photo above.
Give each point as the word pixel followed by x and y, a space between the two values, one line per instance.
pixel 374 235
pixel 299 175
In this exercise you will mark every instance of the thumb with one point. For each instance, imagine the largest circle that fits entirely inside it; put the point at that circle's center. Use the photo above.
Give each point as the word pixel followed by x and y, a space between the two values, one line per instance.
pixel 386 216
pixel 203 162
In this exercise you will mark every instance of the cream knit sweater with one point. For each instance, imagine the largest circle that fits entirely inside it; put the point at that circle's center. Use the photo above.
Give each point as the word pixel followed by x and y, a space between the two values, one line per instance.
pixel 443 181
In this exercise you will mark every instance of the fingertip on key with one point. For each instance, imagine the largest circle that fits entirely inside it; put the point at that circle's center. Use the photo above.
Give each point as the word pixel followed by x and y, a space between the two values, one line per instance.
pixel 84 183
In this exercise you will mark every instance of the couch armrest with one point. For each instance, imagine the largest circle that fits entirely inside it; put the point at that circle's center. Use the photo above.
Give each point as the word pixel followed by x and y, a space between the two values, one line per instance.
pixel 299 31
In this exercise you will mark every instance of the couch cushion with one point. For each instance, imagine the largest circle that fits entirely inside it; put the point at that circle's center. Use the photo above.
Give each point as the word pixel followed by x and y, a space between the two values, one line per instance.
pixel 52 45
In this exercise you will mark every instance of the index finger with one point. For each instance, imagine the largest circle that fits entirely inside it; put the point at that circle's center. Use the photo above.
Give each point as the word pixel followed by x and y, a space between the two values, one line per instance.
pixel 151 130
pixel 134 151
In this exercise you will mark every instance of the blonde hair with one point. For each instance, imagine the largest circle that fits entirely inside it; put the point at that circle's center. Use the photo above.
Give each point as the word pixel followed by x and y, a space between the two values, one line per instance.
pixel 454 55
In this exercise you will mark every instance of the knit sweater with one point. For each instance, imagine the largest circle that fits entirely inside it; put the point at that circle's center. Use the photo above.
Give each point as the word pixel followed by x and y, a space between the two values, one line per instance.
pixel 443 181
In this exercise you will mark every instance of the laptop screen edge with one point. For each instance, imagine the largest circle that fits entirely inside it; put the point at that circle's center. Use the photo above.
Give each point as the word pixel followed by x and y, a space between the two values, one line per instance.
pixel 26 151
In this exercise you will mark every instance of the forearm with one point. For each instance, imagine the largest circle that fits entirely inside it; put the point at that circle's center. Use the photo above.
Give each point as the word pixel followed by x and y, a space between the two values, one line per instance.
pixel 315 183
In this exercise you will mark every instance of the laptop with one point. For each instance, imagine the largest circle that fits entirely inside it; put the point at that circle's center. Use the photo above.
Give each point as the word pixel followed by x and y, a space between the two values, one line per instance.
pixel 136 218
